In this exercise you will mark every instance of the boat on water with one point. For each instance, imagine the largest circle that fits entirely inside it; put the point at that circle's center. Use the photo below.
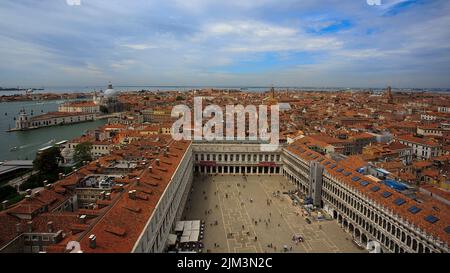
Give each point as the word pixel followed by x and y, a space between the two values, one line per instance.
pixel 13 149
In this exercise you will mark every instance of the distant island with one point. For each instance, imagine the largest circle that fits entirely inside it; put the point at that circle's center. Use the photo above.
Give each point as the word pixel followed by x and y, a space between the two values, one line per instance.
pixel 19 89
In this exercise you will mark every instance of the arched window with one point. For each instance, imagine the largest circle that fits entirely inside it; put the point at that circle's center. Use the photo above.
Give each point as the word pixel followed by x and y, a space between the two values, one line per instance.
pixel 420 250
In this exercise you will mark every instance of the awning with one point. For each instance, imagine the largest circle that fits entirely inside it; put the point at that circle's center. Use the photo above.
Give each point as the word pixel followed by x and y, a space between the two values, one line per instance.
pixel 186 233
pixel 179 226
pixel 172 239
pixel 184 239
pixel 187 225
pixel 194 236
pixel 196 225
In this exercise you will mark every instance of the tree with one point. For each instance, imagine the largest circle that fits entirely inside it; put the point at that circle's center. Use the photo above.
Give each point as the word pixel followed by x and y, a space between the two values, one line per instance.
pixel 47 162
pixel 104 109
pixel 6 192
pixel 179 98
pixel 82 153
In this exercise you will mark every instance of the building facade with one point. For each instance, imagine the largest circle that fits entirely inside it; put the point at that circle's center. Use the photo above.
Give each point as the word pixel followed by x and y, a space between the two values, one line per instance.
pixel 365 208
pixel 79 107
pixel 26 122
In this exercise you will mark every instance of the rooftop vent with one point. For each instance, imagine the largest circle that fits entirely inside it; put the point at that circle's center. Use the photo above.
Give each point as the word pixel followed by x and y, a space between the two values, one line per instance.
pixel 132 194
pixel 50 226
pixel 4 204
pixel 30 226
pixel 92 241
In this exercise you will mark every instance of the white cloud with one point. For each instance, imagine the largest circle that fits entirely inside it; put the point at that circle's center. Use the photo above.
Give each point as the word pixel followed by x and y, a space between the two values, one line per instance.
pixel 249 29
pixel 140 46
pixel 256 36
pixel 88 70
pixel 124 64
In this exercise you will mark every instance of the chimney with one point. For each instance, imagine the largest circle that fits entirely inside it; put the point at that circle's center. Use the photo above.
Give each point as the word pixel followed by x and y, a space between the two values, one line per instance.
pixel 50 226
pixel 132 194
pixel 150 169
pixel 28 197
pixel 108 196
pixel 30 226
pixel 92 241
pixel 37 193
pixel 58 236
pixel 82 219
pixel 157 162
pixel 102 195
pixel 4 204
pixel 166 154
pixel 138 179
pixel 28 192
pixel 60 175
pixel 167 148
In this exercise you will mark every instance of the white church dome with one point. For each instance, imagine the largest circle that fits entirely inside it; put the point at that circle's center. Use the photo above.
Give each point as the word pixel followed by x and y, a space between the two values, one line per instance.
pixel 110 92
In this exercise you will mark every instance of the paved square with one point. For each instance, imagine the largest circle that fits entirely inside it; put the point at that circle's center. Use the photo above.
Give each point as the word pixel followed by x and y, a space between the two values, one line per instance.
pixel 242 215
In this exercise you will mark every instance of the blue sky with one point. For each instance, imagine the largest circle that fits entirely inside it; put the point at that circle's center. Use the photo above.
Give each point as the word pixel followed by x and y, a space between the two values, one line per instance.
pixel 403 43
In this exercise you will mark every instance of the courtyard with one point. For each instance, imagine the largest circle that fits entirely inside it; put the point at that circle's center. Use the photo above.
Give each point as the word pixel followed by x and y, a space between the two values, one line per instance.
pixel 243 214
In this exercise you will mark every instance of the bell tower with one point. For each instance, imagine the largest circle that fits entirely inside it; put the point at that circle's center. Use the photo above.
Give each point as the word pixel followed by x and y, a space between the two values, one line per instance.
pixel 390 98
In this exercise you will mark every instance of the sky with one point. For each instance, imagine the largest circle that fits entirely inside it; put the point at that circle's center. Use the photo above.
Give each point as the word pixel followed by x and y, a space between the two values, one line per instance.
pixel 314 43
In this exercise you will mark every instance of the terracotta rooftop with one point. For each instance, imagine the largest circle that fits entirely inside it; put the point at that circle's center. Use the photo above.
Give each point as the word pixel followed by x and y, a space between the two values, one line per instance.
pixel 120 227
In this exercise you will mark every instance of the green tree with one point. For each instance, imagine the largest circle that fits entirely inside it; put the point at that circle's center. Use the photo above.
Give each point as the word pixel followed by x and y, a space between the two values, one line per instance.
pixel 179 98
pixel 104 109
pixel 47 162
pixel 6 192
pixel 82 153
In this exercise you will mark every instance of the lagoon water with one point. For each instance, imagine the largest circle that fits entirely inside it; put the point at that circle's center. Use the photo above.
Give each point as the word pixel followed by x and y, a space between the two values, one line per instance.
pixel 28 142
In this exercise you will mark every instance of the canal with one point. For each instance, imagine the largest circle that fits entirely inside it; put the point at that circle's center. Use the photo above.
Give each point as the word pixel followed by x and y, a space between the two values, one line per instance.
pixel 28 142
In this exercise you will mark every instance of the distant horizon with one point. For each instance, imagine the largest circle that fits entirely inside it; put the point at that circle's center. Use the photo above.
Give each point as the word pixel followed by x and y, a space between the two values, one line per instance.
pixel 219 86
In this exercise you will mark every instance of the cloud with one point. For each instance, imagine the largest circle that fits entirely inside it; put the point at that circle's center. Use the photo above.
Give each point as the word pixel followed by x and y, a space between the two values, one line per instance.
pixel 174 42
pixel 256 36
pixel 139 46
